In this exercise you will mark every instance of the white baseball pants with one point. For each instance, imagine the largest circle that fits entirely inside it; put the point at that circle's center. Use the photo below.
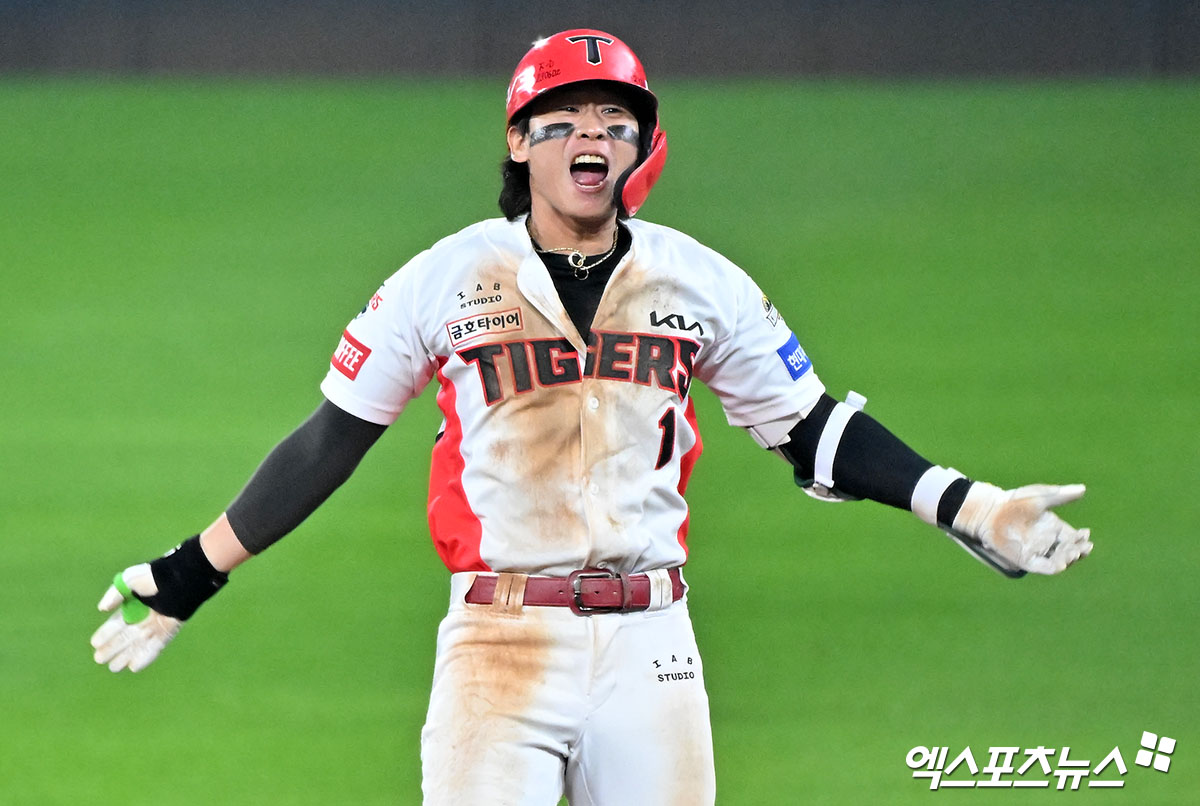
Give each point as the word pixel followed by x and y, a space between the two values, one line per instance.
pixel 530 703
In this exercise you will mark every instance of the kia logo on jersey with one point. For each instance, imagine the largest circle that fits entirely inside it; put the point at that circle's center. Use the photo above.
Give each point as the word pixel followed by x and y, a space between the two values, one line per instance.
pixel 349 356
pixel 674 321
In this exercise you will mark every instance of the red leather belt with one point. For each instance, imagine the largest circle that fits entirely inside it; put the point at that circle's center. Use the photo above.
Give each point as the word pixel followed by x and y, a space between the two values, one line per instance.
pixel 592 590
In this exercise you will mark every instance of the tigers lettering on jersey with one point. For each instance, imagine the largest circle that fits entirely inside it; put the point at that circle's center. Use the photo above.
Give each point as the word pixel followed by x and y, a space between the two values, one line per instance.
pixel 641 358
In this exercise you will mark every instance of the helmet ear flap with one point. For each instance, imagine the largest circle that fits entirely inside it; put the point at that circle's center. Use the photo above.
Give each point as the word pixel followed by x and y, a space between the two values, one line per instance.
pixel 634 185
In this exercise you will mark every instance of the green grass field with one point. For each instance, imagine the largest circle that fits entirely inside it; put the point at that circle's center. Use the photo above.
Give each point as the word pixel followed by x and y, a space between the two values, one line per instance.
pixel 1009 271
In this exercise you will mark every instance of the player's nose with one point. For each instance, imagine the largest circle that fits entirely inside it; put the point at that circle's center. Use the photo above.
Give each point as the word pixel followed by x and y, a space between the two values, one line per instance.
pixel 591 124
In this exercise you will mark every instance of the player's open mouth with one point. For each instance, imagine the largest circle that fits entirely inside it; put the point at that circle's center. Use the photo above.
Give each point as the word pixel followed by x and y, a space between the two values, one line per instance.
pixel 589 170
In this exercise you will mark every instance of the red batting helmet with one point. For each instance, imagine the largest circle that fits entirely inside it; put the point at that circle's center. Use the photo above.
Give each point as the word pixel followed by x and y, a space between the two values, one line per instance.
pixel 584 54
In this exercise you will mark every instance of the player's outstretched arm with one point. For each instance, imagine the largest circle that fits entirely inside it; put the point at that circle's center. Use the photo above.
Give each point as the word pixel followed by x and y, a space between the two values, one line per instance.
pixel 150 601
pixel 840 452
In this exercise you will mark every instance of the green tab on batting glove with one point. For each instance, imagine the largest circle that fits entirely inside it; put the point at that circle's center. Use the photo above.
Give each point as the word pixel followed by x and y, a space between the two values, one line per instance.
pixel 133 609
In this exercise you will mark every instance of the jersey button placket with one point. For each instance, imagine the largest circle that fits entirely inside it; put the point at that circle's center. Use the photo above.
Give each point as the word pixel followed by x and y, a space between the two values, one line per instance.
pixel 588 425
pixel 593 405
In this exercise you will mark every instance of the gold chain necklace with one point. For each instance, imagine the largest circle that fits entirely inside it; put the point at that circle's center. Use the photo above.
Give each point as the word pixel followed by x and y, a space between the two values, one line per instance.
pixel 575 258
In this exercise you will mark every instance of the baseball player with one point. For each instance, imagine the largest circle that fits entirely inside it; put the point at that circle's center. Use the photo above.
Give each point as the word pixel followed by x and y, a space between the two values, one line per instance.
pixel 564 339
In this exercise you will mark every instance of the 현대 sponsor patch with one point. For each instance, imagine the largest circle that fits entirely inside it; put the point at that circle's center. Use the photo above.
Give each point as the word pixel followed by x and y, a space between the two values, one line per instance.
pixel 794 357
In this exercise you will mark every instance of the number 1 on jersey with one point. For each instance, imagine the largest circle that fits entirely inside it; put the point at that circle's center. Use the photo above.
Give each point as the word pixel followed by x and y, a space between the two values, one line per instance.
pixel 666 448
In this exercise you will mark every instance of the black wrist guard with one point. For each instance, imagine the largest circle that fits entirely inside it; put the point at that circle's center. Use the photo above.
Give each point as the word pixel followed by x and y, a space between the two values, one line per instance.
pixel 185 580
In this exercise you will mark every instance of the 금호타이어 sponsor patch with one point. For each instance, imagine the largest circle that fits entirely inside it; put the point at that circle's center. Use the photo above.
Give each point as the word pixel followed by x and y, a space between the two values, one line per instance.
pixel 484 324
pixel 794 357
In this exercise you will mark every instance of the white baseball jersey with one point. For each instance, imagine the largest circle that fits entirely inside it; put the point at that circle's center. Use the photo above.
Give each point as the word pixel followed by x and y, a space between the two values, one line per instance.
pixel 554 454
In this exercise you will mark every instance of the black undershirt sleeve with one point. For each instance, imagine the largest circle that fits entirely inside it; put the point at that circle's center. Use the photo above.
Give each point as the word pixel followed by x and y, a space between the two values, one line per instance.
pixel 870 462
pixel 299 474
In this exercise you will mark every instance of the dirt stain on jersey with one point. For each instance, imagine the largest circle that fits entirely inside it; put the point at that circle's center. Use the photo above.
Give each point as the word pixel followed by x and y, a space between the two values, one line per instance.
pixel 624 439
pixel 630 291
pixel 494 285
pixel 534 447
pixel 545 454
pixel 501 449
pixel 550 446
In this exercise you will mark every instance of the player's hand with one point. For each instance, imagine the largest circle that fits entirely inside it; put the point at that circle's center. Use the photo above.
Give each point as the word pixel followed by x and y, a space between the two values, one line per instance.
pixel 151 601
pixel 135 633
pixel 1018 526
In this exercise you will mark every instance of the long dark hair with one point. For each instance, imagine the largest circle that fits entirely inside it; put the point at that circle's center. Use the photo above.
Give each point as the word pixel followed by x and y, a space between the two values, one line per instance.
pixel 514 193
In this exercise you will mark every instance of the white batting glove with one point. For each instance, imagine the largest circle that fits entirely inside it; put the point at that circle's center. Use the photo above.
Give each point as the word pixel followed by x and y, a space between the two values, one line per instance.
pixel 154 599
pixel 134 634
pixel 1018 530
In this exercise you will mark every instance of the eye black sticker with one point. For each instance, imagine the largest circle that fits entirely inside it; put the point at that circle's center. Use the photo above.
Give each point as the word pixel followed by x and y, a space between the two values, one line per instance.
pixel 623 132
pixel 556 131
pixel 551 131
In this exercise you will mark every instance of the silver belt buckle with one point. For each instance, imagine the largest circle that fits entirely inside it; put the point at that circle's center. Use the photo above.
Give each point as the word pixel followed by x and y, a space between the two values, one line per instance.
pixel 575 581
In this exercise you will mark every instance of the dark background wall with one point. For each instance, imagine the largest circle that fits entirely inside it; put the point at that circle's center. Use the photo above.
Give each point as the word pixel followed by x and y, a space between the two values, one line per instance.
pixel 769 37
